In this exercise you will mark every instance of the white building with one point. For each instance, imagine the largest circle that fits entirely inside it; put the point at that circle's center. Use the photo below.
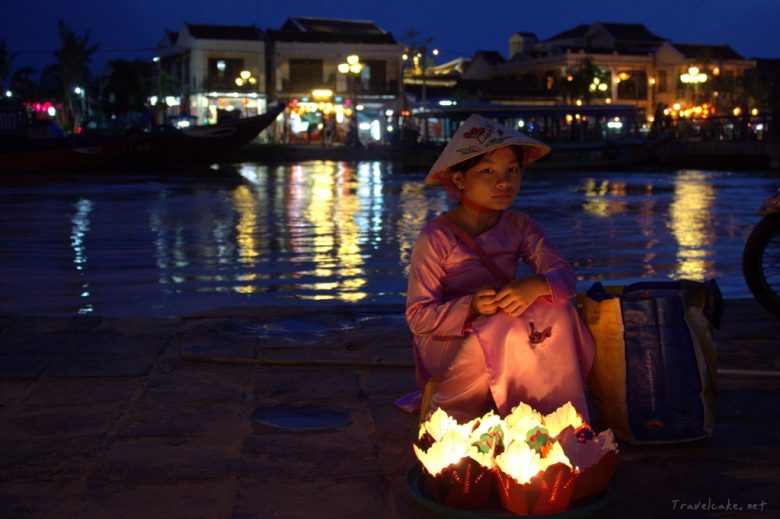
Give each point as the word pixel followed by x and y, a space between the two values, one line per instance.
pixel 304 55
pixel 215 71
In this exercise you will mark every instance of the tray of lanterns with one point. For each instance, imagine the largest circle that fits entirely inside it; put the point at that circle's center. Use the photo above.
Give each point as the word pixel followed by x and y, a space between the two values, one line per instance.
pixel 550 465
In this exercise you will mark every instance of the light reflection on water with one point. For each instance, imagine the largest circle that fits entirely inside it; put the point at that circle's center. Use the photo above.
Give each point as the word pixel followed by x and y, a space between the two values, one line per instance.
pixel 338 232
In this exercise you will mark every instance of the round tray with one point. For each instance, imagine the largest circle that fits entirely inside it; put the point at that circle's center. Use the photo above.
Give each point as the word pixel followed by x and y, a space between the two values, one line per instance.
pixel 582 508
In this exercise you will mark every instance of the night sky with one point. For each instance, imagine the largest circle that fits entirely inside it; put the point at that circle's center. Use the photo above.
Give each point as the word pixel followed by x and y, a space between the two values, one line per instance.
pixel 130 28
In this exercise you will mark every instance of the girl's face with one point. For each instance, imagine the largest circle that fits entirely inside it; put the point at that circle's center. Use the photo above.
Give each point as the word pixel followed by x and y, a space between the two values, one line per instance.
pixel 494 181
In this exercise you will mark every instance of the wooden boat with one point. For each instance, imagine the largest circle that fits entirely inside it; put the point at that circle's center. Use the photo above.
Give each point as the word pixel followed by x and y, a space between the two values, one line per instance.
pixel 61 155
pixel 199 145
pixel 608 154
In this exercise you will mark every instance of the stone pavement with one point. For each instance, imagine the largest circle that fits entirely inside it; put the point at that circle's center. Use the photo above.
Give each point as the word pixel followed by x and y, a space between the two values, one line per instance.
pixel 117 418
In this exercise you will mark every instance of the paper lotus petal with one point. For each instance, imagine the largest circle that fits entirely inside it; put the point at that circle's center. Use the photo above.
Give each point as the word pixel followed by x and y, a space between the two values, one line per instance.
pixel 523 414
pixel 519 461
pixel 438 425
pixel 564 416
pixel 556 455
pixel 485 459
pixel 450 449
pixel 581 455
pixel 606 440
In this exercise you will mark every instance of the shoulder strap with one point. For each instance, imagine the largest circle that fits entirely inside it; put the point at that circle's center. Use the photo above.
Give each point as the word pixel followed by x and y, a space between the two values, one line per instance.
pixel 499 274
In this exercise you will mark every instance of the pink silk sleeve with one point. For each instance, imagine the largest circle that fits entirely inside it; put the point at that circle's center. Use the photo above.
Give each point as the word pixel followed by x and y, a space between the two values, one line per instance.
pixel 426 311
pixel 543 257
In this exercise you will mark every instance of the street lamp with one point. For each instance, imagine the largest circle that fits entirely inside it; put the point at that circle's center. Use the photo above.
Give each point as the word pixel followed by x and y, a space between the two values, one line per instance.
pixel 693 77
pixel 352 69
pixel 420 62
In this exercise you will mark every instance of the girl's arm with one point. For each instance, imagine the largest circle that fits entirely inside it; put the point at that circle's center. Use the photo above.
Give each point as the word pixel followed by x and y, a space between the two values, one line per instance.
pixel 426 311
pixel 543 257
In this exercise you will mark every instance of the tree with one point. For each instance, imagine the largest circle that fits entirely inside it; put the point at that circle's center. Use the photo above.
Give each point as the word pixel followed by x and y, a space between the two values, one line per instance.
pixel 581 82
pixel 23 85
pixel 129 85
pixel 6 59
pixel 73 59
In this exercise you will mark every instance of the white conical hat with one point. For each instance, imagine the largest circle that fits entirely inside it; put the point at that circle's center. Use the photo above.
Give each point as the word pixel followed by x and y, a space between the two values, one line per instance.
pixel 479 135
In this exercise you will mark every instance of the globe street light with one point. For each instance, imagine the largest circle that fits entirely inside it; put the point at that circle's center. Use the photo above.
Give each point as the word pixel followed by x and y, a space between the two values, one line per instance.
pixel 352 69
pixel 693 77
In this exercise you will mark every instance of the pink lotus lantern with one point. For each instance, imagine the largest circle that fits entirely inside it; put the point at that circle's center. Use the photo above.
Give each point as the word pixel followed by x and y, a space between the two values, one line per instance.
pixel 539 464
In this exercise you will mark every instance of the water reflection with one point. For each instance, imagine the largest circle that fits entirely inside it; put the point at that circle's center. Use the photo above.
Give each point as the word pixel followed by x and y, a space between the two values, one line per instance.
pixel 328 214
pixel 690 220
pixel 341 232
pixel 605 198
pixel 80 223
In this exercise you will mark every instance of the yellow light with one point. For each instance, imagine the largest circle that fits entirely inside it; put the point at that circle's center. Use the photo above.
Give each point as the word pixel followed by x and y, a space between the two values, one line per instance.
pixel 652 81
pixel 569 118
pixel 608 100
pixel 716 71
pixel 737 111
pixel 666 111
pixel 754 111
pixel 356 68
pixel 569 78
pixel 252 80
pixel 676 106
pixel 623 76
pixel 694 71
pixel 239 81
pixel 617 80
pixel 603 87
pixel 405 57
pixel 578 102
pixel 343 68
pixel 352 59
pixel 321 93
pixel 245 74
pixel 596 81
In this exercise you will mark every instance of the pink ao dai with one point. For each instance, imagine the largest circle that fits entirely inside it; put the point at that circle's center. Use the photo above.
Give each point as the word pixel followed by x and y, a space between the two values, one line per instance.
pixel 495 356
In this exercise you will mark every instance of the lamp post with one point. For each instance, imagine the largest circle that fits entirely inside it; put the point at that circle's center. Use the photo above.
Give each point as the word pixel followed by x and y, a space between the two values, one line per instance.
pixel 420 61
pixel 352 69
pixel 693 77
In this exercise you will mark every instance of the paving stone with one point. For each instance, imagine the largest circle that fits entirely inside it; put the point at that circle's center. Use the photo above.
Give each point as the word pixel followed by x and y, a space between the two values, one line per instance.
pixel 83 392
pixel 103 365
pixel 24 366
pixel 194 382
pixel 57 326
pixel 106 342
pixel 57 422
pixel 358 495
pixel 388 382
pixel 37 503
pixel 318 454
pixel 42 344
pixel 13 390
pixel 155 461
pixel 208 346
pixel 302 385
pixel 199 420
pixel 178 500
pixel 57 463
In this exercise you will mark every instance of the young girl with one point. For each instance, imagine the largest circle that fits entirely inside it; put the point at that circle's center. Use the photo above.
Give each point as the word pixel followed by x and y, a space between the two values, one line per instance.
pixel 484 339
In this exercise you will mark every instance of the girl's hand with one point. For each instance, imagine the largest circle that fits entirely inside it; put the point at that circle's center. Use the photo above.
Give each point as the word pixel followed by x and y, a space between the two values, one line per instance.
pixel 518 295
pixel 483 302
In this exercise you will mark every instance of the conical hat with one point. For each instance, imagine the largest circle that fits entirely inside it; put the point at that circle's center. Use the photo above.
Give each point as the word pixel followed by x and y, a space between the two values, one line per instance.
pixel 479 135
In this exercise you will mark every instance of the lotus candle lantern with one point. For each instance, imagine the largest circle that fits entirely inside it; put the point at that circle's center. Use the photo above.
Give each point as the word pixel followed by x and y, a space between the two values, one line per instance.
pixel 538 464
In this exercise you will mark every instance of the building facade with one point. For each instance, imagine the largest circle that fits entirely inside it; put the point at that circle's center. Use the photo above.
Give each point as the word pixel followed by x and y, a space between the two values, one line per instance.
pixel 210 72
pixel 304 59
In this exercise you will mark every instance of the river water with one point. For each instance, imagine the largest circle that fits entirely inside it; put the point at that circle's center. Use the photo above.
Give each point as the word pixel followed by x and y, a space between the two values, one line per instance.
pixel 156 244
